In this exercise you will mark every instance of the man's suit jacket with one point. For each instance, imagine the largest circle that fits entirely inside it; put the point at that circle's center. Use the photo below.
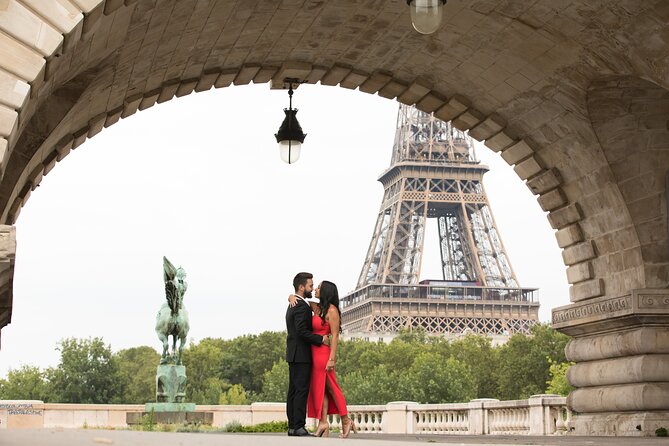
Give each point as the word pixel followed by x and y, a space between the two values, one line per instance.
pixel 300 333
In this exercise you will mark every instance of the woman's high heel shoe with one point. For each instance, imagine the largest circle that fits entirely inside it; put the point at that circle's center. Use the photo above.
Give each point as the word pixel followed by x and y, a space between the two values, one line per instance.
pixel 346 428
pixel 323 430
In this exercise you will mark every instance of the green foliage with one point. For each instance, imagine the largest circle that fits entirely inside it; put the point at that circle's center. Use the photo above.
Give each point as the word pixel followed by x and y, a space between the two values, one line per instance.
pixel 558 383
pixel 661 432
pixel 435 379
pixel 523 367
pixel 377 385
pixel 137 367
pixel 235 395
pixel 413 367
pixel 148 421
pixel 24 383
pixel 275 383
pixel 273 426
pixel 88 373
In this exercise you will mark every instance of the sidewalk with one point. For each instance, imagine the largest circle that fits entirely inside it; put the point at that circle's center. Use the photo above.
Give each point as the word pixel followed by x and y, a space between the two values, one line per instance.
pixel 93 437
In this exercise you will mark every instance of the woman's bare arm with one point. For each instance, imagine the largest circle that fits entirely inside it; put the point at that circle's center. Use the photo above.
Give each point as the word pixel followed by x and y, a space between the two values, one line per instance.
pixel 333 319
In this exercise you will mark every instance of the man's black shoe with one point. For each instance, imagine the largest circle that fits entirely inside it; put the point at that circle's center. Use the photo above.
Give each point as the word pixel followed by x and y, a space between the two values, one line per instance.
pixel 291 432
pixel 302 432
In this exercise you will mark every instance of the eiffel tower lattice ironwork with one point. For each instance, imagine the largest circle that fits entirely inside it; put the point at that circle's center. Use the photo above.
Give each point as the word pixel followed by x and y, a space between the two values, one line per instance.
pixel 434 175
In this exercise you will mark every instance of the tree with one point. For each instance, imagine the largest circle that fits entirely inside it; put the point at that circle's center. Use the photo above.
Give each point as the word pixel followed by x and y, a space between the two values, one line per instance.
pixel 25 383
pixel 558 383
pixel 203 363
pixel 477 352
pixel 235 395
pixel 137 367
pixel 435 379
pixel 376 385
pixel 523 362
pixel 275 383
pixel 87 373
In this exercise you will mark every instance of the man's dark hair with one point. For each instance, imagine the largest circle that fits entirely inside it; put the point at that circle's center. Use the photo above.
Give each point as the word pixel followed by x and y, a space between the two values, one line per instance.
pixel 301 279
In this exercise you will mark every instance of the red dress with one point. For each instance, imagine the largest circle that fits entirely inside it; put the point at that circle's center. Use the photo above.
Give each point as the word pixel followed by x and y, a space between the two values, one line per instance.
pixel 319 360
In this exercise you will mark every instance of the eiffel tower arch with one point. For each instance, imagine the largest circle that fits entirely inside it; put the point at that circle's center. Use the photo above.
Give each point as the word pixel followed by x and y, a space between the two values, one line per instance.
pixel 434 176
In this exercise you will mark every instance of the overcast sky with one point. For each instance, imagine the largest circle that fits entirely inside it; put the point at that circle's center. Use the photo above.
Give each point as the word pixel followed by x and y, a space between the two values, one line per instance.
pixel 199 180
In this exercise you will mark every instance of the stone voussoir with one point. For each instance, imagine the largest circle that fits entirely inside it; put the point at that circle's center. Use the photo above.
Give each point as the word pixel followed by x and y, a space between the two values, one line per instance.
pixel 580 272
pixel 565 216
pixel 489 127
pixel 552 200
pixel 578 253
pixel 569 235
pixel 545 181
pixel 586 290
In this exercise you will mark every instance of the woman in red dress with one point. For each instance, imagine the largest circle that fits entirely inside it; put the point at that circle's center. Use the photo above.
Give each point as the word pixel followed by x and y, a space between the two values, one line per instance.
pixel 325 396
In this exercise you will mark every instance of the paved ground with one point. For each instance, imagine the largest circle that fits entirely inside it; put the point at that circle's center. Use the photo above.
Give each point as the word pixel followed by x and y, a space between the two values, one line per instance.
pixel 72 437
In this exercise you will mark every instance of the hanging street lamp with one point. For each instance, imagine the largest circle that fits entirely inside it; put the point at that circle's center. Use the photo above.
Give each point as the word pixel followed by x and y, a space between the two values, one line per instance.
pixel 290 136
pixel 426 14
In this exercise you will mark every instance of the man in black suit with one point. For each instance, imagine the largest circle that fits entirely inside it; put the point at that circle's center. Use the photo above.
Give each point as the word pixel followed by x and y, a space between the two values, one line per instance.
pixel 298 354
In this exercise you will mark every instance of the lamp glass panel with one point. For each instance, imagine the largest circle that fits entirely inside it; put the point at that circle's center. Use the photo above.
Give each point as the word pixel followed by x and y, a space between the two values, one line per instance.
pixel 426 15
pixel 290 151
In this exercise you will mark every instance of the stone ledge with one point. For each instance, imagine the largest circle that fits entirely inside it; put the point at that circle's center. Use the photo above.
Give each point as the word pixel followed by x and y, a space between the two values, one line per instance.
pixel 599 315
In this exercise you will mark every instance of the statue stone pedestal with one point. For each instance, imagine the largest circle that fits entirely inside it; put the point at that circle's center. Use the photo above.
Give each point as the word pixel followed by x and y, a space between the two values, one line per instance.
pixel 171 383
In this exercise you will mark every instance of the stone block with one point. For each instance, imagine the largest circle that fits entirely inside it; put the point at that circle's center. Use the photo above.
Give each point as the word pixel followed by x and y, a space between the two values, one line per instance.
pixel 552 200
pixel 79 137
pixel 392 89
pixel 22 414
pixel 375 82
pixel 499 142
pixel 14 92
pixel 131 104
pixel 565 216
pixel 414 93
pixel 569 235
pixel 167 91
pixel 619 424
pixel 517 152
pixel 246 74
pixel 354 79
pixel 621 398
pixel 21 23
pixel 621 343
pixel 467 119
pixel 545 181
pixel 265 74
pixel 625 370
pixel 149 99
pixel 578 253
pixel 62 14
pixel 453 108
pixel 17 59
pixel 225 78
pixel 528 168
pixel 316 74
pixel 186 87
pixel 206 81
pixel 96 124
pixel 336 74
pixel 579 272
pixel 492 125
pixel 291 69
pixel 586 290
pixel 431 102
pixel 8 121
pixel 114 115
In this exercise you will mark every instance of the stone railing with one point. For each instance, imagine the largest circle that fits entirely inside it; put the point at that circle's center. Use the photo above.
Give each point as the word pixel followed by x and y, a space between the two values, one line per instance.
pixel 538 415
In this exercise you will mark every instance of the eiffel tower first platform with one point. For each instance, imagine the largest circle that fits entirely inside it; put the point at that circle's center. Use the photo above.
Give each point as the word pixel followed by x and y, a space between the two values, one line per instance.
pixel 434 175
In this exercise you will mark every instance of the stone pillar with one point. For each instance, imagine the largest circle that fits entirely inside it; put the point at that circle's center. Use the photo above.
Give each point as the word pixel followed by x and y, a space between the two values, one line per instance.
pixel 7 254
pixel 621 349
pixel 398 418
pixel 478 419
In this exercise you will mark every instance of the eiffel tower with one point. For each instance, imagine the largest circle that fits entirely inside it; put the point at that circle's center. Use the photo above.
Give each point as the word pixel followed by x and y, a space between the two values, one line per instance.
pixel 434 175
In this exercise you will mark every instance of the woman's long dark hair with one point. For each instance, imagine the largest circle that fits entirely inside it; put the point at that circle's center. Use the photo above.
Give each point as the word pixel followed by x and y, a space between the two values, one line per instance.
pixel 328 296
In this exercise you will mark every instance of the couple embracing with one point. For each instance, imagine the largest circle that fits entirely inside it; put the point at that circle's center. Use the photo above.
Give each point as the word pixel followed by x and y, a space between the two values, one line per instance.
pixel 313 325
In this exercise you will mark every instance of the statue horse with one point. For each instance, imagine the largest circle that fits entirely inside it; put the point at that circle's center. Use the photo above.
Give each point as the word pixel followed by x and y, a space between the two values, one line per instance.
pixel 172 318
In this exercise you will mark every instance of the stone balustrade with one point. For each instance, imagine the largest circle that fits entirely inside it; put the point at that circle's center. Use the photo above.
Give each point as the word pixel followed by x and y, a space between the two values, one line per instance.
pixel 538 415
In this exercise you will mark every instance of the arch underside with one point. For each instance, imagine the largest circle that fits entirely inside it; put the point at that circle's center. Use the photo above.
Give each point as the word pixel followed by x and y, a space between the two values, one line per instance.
pixel 530 79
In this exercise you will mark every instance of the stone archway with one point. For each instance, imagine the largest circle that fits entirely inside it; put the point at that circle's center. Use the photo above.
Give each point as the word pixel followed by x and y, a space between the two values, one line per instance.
pixel 519 76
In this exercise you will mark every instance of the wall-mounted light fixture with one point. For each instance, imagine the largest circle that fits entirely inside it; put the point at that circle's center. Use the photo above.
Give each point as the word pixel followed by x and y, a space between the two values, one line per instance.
pixel 426 14
pixel 290 136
